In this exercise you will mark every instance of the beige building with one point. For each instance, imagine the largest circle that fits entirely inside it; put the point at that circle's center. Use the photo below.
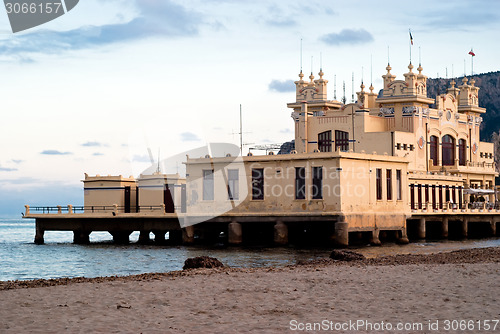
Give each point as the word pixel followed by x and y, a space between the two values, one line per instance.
pixel 393 164
pixel 371 164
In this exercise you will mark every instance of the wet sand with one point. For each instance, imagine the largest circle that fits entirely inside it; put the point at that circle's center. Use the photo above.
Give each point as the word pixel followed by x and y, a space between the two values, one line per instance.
pixel 460 285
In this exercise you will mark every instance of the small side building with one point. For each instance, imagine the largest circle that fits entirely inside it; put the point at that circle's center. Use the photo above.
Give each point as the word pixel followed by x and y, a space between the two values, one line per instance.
pixel 158 190
pixel 101 193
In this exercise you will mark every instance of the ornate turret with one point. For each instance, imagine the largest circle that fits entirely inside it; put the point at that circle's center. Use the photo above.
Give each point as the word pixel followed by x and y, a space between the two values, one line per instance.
pixel 388 79
pixel 411 81
pixel 468 100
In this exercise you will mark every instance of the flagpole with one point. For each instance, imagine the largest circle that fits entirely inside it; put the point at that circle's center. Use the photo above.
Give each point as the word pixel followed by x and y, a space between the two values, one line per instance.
pixel 472 64
pixel 411 40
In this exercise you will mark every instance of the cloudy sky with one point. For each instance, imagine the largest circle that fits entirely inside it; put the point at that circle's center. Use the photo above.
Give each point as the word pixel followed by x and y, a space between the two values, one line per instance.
pixel 91 90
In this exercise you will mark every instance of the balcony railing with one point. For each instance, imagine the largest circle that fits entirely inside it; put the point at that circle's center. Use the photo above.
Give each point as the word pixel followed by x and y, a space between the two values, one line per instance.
pixel 113 209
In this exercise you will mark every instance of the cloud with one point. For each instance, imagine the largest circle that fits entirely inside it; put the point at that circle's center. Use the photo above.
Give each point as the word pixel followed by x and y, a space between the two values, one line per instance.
pixel 17 161
pixel 189 136
pixel 285 130
pixel 55 152
pixel 5 169
pixel 92 144
pixel 282 86
pixel 347 36
pixel 282 22
pixel 156 19
pixel 96 154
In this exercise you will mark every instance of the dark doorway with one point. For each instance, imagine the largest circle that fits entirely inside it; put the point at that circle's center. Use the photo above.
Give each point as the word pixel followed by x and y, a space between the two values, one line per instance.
pixel 127 200
pixel 168 200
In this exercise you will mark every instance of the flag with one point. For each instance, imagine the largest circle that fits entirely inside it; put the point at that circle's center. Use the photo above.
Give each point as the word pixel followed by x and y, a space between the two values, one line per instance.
pixel 411 37
pixel 472 53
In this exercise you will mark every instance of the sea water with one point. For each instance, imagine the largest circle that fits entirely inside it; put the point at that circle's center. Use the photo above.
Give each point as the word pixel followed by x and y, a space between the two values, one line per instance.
pixel 21 259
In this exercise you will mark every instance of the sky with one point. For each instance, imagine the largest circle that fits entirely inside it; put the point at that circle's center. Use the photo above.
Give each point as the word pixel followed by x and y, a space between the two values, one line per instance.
pixel 90 91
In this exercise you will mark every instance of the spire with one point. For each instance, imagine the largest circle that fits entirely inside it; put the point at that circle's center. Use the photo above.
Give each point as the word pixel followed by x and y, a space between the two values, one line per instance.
pixel 420 69
pixel 410 67
pixel 335 87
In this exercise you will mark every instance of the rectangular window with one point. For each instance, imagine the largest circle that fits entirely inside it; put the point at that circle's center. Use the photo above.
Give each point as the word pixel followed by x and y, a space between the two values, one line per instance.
pixel 440 197
pixel 325 141
pixel 208 185
pixel 447 194
pixel 300 183
pixel 317 182
pixel 233 187
pixel 379 184
pixel 258 183
pixel 389 184
pixel 412 196
pixel 341 140
pixel 399 185
pixel 434 202
pixel 419 194
pixel 426 195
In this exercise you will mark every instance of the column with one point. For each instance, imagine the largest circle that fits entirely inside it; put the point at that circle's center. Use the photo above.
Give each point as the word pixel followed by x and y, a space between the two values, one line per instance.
pixel 444 227
pixel 121 237
pixel 159 236
pixel 188 235
pixel 465 227
pixel 235 233
pixel 375 241
pixel 144 237
pixel 341 233
pixel 421 228
pixel 280 233
pixel 39 233
pixel 81 237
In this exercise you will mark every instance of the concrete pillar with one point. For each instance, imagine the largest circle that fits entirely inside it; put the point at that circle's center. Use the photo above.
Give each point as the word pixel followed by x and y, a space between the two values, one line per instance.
pixel 81 237
pixel 39 234
pixel 121 237
pixel 280 233
pixel 493 227
pixel 188 235
pixel 465 227
pixel 421 228
pixel 235 233
pixel 159 236
pixel 403 237
pixel 444 227
pixel 341 233
pixel 175 237
pixel 375 241
pixel 144 237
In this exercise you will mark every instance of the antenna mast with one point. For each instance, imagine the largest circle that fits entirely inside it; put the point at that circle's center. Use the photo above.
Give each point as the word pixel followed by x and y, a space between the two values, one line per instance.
pixel 335 87
pixel 241 132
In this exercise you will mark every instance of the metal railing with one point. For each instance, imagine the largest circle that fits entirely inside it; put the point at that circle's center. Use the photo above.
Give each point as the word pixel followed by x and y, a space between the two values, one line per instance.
pixel 114 209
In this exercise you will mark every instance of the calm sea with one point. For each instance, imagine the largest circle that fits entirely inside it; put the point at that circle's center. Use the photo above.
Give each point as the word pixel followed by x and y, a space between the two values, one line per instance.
pixel 21 259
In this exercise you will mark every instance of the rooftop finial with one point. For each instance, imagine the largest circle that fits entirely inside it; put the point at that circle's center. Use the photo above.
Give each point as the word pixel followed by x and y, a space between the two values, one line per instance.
pixel 352 82
pixel 301 75
pixel 335 87
pixel 321 66
pixel 343 98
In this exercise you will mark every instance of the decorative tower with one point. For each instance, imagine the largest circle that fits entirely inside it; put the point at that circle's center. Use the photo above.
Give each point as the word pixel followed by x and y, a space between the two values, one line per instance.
pixel 388 79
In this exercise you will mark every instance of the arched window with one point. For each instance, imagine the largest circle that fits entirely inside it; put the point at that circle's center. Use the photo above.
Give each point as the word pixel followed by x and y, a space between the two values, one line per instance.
pixel 434 150
pixel 462 146
pixel 448 154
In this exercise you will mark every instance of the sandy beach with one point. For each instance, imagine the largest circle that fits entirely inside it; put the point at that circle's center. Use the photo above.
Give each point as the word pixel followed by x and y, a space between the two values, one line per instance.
pixel 403 290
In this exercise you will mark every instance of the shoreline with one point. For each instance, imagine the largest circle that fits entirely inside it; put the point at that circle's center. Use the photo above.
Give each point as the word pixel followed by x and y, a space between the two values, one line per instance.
pixel 464 256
